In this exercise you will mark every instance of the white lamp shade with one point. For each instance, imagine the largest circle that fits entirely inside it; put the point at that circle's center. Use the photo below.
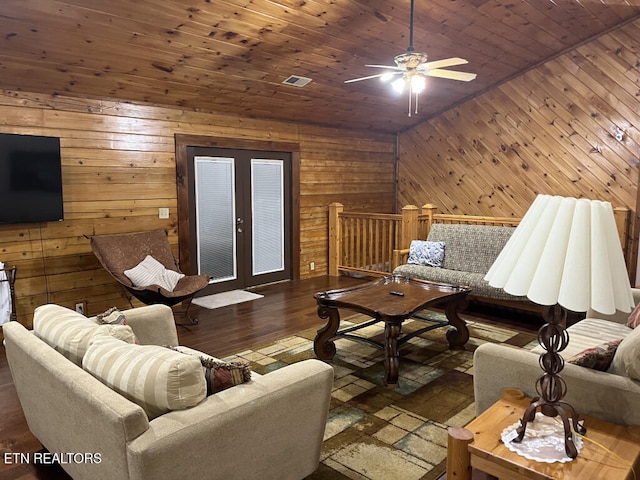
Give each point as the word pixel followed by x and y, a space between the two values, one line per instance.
pixel 566 251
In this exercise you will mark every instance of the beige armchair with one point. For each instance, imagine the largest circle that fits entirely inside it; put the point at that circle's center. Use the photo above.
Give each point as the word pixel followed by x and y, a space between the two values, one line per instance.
pixel 607 396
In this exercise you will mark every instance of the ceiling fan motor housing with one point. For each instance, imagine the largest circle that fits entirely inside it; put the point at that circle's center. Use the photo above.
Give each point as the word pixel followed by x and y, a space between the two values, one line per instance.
pixel 410 59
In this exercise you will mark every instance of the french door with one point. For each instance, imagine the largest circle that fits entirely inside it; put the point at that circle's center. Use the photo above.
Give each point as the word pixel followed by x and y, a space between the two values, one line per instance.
pixel 240 216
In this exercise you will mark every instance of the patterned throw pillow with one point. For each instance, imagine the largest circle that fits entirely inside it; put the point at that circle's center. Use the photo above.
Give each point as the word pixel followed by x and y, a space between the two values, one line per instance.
pixel 423 252
pixel 634 318
pixel 597 358
pixel 154 377
pixel 113 316
pixel 219 375
pixel 223 375
pixel 151 272
pixel 114 320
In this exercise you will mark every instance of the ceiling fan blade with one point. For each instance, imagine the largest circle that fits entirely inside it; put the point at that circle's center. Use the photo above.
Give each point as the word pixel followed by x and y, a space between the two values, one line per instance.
pixel 451 74
pixel 447 62
pixel 393 67
pixel 371 76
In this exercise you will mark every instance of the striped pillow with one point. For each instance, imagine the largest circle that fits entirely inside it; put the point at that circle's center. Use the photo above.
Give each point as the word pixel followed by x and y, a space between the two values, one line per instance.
pixel 151 272
pixel 69 332
pixel 154 377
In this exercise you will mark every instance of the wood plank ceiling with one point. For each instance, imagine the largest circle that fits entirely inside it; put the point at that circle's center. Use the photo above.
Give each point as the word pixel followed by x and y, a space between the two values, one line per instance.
pixel 231 56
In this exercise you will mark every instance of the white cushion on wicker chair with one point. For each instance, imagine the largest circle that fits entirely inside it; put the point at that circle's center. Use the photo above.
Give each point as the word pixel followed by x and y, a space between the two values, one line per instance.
pixel 151 272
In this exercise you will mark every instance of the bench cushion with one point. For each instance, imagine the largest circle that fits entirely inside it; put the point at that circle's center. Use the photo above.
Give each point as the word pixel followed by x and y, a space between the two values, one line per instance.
pixel 470 248
pixel 479 286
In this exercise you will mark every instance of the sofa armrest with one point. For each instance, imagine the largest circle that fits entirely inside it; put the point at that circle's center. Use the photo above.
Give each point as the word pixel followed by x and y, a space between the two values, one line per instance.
pixel 273 425
pixel 602 395
pixel 399 257
pixel 153 324
pixel 67 409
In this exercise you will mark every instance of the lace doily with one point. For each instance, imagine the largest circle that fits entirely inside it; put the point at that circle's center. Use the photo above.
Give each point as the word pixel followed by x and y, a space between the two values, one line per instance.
pixel 543 440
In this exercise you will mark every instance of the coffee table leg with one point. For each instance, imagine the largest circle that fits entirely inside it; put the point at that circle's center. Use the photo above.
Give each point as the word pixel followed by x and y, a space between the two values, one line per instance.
pixel 323 347
pixel 392 331
pixel 459 334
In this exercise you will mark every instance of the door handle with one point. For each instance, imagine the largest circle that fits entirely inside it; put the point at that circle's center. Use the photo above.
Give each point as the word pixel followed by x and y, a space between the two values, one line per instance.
pixel 239 224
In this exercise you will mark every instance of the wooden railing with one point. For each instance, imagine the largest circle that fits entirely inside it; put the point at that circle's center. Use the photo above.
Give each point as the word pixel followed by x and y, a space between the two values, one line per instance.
pixel 364 242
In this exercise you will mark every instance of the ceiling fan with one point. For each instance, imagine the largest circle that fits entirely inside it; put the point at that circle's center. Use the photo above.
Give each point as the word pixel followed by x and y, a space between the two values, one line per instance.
pixel 413 68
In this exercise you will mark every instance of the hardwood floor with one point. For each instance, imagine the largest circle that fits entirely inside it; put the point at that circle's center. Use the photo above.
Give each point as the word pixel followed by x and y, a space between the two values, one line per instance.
pixel 286 308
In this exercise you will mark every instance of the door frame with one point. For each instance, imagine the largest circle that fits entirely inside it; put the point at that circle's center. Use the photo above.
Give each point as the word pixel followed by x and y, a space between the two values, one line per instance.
pixel 185 197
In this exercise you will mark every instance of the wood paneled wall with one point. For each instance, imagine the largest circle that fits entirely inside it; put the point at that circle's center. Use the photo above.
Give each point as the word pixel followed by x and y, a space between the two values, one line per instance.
pixel 551 130
pixel 119 168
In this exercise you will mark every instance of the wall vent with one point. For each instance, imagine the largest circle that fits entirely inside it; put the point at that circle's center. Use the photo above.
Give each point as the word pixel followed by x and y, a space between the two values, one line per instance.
pixel 296 81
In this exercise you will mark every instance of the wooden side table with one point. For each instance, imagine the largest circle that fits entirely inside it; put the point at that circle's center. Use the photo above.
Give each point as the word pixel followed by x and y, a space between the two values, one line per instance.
pixel 487 452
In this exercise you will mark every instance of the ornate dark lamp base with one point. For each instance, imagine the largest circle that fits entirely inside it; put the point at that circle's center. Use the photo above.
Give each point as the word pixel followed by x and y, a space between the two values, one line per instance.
pixel 551 387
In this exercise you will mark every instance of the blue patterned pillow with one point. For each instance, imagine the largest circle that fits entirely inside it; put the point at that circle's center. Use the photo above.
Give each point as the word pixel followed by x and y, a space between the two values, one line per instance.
pixel 422 252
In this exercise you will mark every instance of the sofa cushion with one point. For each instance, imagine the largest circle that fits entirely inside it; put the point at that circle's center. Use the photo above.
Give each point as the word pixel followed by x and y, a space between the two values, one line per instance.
pixel 219 375
pixel 156 378
pixel 151 272
pixel 423 252
pixel 69 332
pixel 598 357
pixel 470 248
pixel 626 361
pixel 590 333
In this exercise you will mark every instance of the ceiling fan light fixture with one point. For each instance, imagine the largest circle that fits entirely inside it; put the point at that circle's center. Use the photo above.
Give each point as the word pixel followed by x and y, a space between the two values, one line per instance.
pixel 418 84
pixel 413 69
pixel 398 85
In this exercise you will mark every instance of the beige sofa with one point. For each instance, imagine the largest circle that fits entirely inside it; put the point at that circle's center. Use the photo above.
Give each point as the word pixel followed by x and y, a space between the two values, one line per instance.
pixel 271 427
pixel 610 396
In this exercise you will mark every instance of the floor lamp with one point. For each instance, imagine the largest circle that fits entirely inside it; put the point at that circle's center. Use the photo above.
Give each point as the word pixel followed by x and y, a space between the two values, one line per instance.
pixel 564 255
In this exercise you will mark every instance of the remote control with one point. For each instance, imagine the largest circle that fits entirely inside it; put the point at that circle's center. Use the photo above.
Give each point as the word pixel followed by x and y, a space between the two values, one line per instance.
pixel 398 294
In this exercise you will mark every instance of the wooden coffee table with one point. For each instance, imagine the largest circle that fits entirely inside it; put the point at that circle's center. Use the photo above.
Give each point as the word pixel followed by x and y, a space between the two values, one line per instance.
pixel 391 300
pixel 487 453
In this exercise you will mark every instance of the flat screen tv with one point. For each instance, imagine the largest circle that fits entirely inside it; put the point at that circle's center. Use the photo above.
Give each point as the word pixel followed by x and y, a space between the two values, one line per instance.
pixel 30 179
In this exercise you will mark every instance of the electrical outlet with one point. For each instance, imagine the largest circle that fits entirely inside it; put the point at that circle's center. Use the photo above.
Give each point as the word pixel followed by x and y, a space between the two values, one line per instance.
pixel 312 266
pixel 163 213
pixel 80 307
